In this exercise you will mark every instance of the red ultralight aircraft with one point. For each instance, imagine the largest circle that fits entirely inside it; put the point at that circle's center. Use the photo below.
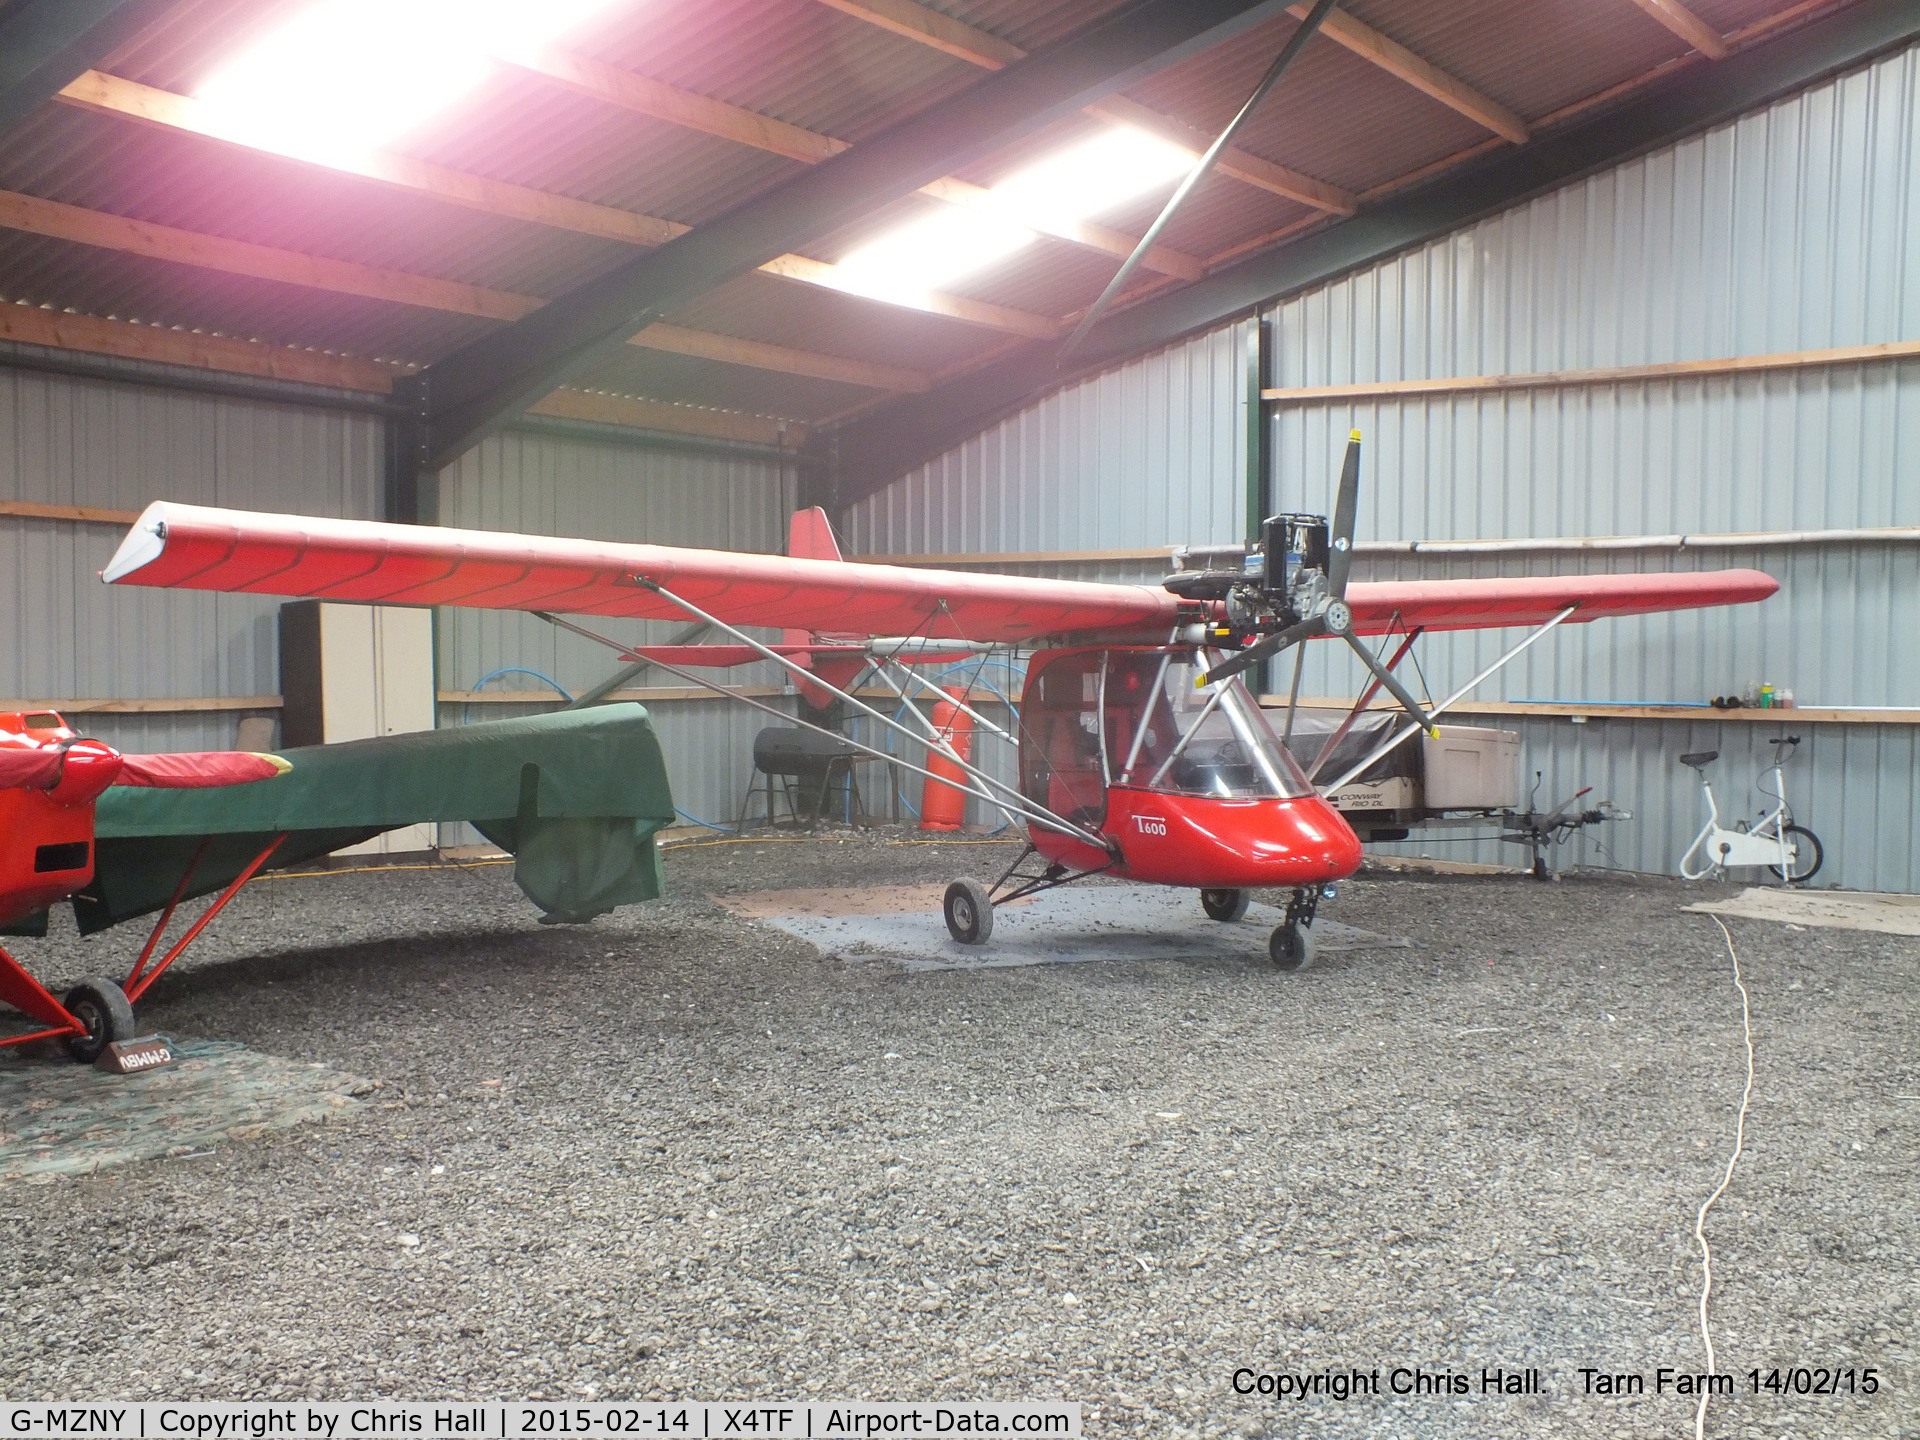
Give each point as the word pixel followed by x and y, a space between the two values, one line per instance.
pixel 1141 753
pixel 50 778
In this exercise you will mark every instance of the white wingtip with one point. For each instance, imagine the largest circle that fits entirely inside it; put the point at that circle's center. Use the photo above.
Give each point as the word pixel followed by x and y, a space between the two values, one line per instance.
pixel 143 544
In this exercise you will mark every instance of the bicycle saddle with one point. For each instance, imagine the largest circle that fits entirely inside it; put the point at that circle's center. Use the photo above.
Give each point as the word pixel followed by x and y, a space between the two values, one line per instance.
pixel 1699 758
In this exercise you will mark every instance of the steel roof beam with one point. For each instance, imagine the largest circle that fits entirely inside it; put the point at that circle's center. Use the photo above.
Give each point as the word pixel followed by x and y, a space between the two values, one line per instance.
pixel 612 86
pixel 913 21
pixel 46 44
pixel 181 114
pixel 885 444
pixel 32 215
pixel 481 386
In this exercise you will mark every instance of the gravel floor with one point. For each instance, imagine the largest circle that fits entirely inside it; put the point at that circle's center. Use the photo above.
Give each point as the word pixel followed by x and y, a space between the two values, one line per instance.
pixel 679 1154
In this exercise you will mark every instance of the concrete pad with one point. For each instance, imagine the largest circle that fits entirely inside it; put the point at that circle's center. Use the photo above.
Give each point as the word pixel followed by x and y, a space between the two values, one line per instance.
pixel 1056 927
pixel 1888 914
pixel 59 1118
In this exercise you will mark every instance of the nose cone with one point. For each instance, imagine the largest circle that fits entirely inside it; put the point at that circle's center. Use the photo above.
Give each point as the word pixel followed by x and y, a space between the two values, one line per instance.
pixel 1320 833
pixel 89 768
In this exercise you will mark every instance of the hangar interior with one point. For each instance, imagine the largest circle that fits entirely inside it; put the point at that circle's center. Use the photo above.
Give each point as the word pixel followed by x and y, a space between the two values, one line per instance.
pixel 1633 270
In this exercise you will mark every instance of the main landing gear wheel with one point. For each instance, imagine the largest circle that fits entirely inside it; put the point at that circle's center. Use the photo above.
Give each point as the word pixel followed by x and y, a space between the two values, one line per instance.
pixel 1806 852
pixel 102 1007
pixel 1292 947
pixel 1226 906
pixel 969 912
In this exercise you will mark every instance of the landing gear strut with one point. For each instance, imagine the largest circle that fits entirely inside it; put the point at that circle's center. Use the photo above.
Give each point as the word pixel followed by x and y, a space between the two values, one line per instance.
pixel 1292 946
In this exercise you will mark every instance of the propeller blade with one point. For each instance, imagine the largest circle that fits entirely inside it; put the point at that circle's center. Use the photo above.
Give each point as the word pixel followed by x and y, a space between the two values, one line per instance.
pixel 1385 677
pixel 1258 651
pixel 1340 542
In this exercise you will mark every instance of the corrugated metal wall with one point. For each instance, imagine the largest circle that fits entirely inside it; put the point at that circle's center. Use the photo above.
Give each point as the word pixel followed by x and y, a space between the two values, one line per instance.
pixel 1149 454
pixel 1796 227
pixel 548 485
pixel 66 441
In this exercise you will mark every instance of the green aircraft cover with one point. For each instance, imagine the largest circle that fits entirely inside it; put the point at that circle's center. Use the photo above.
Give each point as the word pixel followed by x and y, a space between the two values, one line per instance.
pixel 575 796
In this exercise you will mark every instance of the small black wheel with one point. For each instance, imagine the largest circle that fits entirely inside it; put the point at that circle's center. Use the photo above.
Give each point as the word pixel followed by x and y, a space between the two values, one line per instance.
pixel 1804 854
pixel 102 1007
pixel 969 912
pixel 1292 948
pixel 1226 906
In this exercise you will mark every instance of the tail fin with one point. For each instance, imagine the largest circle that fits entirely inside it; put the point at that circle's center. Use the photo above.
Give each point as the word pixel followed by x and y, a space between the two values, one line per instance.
pixel 810 537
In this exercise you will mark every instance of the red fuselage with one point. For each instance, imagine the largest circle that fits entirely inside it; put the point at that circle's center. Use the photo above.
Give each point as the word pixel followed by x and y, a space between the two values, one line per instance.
pixel 1189 786
pixel 1204 843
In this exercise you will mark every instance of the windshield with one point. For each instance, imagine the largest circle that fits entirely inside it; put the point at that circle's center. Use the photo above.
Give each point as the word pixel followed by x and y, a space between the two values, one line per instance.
pixel 1163 734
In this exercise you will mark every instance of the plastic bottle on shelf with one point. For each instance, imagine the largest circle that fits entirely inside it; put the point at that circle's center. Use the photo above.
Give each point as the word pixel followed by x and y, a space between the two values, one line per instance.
pixel 1766 696
pixel 1783 699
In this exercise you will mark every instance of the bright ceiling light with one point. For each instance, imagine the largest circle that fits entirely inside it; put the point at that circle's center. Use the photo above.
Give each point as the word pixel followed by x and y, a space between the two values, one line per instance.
pixel 927 253
pixel 1097 175
pixel 346 76
pixel 1051 196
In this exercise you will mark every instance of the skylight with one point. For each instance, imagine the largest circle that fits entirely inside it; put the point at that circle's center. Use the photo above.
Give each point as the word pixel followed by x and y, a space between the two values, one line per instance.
pixel 1070 186
pixel 346 76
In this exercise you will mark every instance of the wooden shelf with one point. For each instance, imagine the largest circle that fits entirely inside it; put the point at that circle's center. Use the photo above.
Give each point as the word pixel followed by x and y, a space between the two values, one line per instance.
pixel 1801 715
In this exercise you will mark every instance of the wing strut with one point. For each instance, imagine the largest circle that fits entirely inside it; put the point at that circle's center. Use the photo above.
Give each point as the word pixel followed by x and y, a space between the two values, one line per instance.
pixel 1010 801
pixel 1388 746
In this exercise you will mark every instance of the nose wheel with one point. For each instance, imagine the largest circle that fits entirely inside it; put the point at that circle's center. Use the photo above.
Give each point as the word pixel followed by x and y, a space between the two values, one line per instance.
pixel 1292 946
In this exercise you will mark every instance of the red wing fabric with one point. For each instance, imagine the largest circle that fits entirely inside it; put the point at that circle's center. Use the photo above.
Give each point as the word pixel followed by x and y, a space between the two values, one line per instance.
pixel 1486 604
pixel 200 770
pixel 198 548
pixel 34 769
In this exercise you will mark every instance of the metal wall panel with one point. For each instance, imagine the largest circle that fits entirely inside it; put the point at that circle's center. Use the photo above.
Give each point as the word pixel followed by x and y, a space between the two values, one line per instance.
pixel 1153 453
pixel 550 485
pixel 1795 227
pixel 66 441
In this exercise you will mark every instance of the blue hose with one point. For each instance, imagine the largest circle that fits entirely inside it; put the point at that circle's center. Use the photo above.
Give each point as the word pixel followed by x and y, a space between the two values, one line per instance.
pixel 466 713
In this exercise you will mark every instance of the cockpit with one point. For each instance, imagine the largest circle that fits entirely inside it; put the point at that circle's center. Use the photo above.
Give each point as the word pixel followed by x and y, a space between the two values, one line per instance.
pixel 1133 718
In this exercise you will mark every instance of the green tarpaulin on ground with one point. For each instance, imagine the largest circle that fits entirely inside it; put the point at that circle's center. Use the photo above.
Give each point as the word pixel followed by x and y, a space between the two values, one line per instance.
pixel 576 796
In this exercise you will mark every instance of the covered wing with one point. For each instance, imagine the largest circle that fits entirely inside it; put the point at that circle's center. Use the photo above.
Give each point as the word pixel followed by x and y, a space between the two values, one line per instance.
pixel 200 548
pixel 1534 600
pixel 37 768
pixel 199 769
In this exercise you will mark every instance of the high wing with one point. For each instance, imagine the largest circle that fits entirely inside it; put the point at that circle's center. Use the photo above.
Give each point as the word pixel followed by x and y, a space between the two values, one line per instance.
pixel 204 548
pixel 201 548
pixel 1531 600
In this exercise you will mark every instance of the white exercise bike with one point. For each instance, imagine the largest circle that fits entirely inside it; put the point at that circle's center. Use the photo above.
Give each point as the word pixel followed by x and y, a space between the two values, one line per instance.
pixel 1790 851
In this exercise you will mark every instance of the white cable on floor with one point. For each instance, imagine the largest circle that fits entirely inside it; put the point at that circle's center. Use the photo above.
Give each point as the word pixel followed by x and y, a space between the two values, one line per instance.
pixel 1739 1141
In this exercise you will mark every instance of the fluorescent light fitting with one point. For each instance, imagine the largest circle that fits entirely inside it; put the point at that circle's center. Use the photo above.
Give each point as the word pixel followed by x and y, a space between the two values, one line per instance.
pixel 342 77
pixel 1098 174
pixel 932 251
pixel 1051 195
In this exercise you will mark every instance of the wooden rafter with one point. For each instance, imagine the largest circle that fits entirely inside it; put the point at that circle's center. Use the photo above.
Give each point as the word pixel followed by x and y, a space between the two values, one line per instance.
pixel 179 114
pixel 704 345
pixel 92 335
pixel 262 262
pixel 613 86
pixel 1394 58
pixel 1687 25
pixel 229 355
pixel 929 27
pixel 933 302
pixel 640 414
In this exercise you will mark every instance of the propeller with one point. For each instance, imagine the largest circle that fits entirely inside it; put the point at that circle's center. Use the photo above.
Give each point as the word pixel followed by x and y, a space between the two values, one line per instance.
pixel 1335 617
